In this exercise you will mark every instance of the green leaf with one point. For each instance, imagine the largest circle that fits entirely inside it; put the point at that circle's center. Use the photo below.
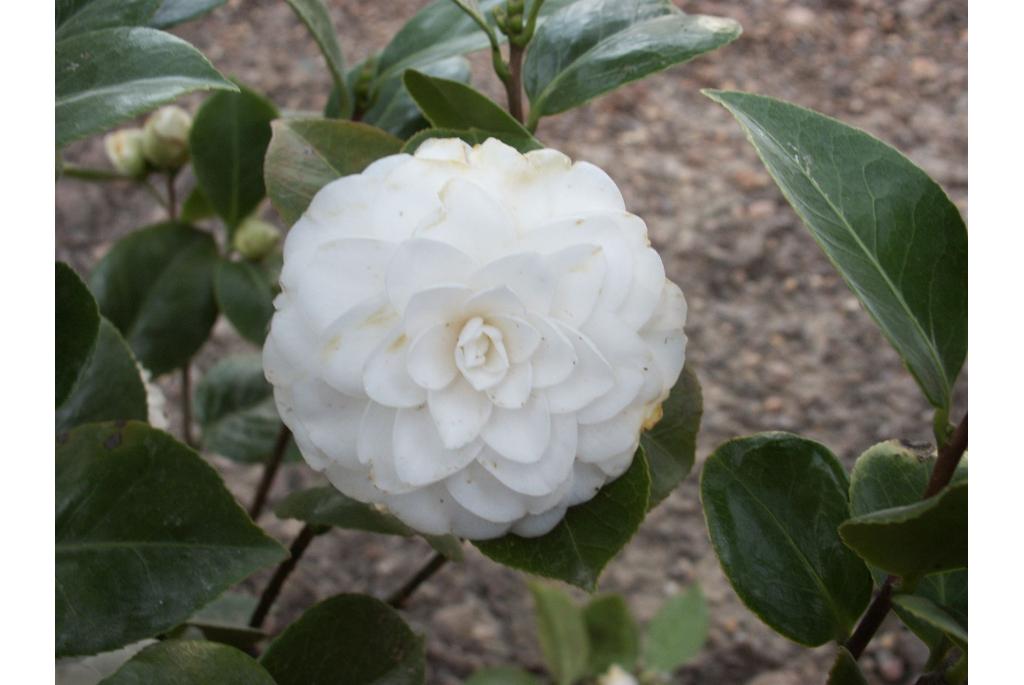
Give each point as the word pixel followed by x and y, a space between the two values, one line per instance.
pixel 307 154
pixel 502 675
pixel 156 286
pixel 890 475
pixel 177 662
pixel 146 533
pixel 845 670
pixel 393 108
pixel 196 207
pixel 235 408
pixel 325 506
pixel 916 539
pixel 314 15
pixel 443 30
pixel 677 632
pixel 76 328
pixel 351 639
pixel 594 46
pixel 672 444
pixel 81 16
pixel 173 12
pixel 246 298
pixel 454 105
pixel 926 610
pixel 109 387
pixel 562 634
pixel 891 231
pixel 226 620
pixel 105 77
pixel 228 141
pixel 773 502
pixel 473 137
pixel 612 634
pixel 579 547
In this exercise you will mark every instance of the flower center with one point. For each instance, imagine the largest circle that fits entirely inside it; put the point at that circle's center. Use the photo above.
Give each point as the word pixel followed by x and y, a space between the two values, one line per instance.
pixel 480 354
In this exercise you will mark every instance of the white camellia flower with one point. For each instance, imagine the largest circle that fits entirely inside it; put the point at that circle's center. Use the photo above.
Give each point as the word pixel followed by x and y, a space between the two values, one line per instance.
pixel 473 337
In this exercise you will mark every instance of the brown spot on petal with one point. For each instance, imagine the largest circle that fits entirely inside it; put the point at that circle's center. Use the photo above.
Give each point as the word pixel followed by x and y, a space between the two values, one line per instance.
pixel 399 343
pixel 653 416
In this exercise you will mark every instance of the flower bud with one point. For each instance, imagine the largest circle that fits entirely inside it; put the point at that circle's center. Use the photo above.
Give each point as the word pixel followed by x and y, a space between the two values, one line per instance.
pixel 616 675
pixel 255 239
pixel 124 150
pixel 165 142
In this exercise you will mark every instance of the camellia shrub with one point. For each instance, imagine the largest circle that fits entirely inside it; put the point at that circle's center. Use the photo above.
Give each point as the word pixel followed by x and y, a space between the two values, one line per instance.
pixel 469 335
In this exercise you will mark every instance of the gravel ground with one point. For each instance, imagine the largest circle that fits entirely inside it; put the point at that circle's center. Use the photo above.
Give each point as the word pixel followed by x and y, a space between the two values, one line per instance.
pixel 777 339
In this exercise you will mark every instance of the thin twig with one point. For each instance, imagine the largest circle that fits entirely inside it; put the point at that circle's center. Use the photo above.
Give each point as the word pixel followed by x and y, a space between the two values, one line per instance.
pixel 186 404
pixel 172 207
pixel 514 85
pixel 284 569
pixel 269 472
pixel 399 597
pixel 942 473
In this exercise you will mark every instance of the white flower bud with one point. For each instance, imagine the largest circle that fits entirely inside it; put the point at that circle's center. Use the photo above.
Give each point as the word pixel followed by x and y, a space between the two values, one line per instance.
pixel 616 675
pixel 472 337
pixel 255 239
pixel 166 137
pixel 124 150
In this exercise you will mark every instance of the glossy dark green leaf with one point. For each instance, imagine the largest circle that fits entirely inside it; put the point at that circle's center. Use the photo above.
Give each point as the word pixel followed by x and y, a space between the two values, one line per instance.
pixel 146 533
pixel 81 16
pixel 395 111
pixel 935 616
pixel 315 16
pixel 773 502
pixel 156 286
pixel 916 539
pixel 845 670
pixel 579 547
pixel 226 620
pixel 562 634
pixel 246 298
pixel 105 77
pixel 307 154
pixel 110 386
pixel 440 30
pixel 229 139
pixel 473 137
pixel 892 475
pixel 174 12
pixel 325 506
pixel 235 408
pixel 889 229
pixel 351 639
pixel 611 633
pixel 77 324
pixel 454 105
pixel 502 675
pixel 672 444
pixel 179 662
pixel 677 632
pixel 196 207
pixel 594 46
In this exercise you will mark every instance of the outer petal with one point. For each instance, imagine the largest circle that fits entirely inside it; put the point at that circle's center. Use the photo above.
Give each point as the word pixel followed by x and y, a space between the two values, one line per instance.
pixel 375 447
pixel 547 475
pixel 459 413
pixel 331 419
pixel 539 524
pixel 601 441
pixel 472 221
pixel 591 378
pixel 348 343
pixel 484 495
pixel 420 456
pixel 520 434
pixel 555 357
pixel 525 274
pixel 645 292
pixel 418 264
pixel 580 273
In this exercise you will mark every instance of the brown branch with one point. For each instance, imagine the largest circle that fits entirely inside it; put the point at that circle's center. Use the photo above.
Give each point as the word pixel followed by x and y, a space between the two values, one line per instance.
pixel 949 456
pixel 514 84
pixel 399 597
pixel 172 206
pixel 186 404
pixel 269 472
pixel 281 574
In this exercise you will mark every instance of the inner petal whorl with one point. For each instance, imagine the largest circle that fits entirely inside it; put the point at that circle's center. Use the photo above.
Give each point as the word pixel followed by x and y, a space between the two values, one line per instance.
pixel 480 354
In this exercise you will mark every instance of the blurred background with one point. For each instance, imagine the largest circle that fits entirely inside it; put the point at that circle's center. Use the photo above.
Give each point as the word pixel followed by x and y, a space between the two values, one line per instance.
pixel 777 340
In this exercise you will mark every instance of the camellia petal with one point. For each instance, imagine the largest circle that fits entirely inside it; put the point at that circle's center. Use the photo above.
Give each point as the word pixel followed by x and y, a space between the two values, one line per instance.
pixel 471 337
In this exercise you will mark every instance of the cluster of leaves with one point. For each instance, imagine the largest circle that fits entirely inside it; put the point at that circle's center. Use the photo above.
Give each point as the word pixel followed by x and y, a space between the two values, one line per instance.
pixel 801 541
pixel 580 643
pixel 135 558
